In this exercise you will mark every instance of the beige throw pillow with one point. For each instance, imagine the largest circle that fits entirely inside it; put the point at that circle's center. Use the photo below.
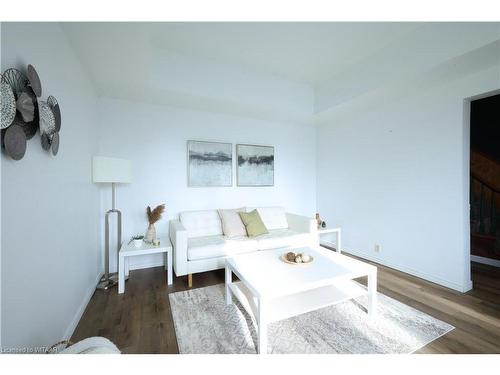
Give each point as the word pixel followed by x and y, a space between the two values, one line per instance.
pixel 232 226
pixel 253 223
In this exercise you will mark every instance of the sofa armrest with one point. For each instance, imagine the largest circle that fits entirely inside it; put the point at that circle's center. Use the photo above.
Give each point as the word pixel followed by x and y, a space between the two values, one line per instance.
pixel 302 224
pixel 179 239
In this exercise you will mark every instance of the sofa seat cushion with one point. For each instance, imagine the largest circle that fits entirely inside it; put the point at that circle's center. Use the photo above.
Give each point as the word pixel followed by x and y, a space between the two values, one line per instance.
pixel 283 238
pixel 218 246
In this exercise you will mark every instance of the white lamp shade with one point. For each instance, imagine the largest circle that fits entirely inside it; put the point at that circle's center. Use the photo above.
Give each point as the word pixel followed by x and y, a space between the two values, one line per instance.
pixel 111 170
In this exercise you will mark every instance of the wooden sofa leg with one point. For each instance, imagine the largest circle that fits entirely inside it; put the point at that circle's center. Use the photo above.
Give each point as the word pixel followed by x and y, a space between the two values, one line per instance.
pixel 190 280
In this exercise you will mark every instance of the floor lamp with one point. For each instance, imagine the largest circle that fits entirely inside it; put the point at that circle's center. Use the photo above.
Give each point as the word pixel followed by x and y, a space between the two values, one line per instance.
pixel 111 171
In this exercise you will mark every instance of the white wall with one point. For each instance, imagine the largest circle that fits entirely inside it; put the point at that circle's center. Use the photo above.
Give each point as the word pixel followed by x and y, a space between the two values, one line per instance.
pixel 154 139
pixel 50 229
pixel 395 173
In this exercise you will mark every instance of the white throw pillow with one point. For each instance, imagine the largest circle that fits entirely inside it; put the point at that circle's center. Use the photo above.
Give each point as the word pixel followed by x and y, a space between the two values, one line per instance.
pixel 232 226
pixel 273 217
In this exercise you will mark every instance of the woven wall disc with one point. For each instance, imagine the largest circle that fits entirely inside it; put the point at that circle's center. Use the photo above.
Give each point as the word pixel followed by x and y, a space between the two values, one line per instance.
pixel 8 105
pixel 15 142
pixel 47 118
pixel 52 102
pixel 16 79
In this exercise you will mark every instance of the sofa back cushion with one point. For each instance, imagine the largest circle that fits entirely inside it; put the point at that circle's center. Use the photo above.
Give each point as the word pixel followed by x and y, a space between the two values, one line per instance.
pixel 232 226
pixel 273 217
pixel 201 223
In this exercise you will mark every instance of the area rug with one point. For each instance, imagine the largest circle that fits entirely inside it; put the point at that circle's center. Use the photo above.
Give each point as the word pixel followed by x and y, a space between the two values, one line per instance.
pixel 205 324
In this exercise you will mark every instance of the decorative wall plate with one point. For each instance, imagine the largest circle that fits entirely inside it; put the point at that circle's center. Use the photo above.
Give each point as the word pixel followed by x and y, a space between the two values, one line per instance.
pixel 34 80
pixel 29 128
pixel 25 106
pixel 15 142
pixel 55 144
pixel 45 141
pixel 22 113
pixel 47 119
pixel 8 105
pixel 52 102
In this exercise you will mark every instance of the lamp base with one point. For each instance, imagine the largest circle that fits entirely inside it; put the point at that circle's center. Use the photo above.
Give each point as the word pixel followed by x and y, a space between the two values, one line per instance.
pixel 110 282
pixel 106 284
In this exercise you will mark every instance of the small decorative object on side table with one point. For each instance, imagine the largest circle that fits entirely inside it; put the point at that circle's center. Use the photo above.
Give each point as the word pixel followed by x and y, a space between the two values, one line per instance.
pixel 321 223
pixel 137 240
pixel 338 231
pixel 153 216
pixel 128 250
pixel 318 220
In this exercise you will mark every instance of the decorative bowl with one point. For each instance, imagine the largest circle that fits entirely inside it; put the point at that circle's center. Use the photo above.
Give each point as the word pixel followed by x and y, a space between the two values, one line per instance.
pixel 310 259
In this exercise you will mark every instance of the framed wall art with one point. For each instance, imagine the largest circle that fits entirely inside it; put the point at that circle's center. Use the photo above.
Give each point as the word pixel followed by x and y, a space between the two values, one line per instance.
pixel 255 165
pixel 210 164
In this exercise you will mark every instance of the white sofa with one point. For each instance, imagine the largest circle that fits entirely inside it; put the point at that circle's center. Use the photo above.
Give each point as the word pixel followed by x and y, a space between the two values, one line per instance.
pixel 200 245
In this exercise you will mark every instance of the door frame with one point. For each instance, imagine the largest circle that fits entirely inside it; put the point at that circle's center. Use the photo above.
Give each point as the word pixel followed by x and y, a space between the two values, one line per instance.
pixel 466 182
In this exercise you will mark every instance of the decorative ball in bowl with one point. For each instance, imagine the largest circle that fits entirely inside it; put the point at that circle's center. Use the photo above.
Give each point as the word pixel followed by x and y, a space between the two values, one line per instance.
pixel 296 258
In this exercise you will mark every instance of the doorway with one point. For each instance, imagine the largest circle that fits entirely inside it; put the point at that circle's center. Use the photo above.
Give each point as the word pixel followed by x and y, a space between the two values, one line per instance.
pixel 485 180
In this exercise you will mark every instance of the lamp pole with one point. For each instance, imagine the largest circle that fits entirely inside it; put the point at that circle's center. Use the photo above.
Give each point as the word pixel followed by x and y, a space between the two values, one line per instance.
pixel 107 281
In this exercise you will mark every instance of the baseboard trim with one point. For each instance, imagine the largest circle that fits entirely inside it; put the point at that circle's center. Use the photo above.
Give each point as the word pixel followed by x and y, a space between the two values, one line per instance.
pixel 483 260
pixel 79 313
pixel 331 244
pixel 434 279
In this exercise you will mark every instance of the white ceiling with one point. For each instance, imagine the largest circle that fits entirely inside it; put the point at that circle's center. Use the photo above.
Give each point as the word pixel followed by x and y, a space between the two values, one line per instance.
pixel 275 69
pixel 302 52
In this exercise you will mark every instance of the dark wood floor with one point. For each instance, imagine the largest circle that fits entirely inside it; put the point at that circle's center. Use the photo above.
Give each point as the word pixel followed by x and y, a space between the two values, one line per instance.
pixel 140 321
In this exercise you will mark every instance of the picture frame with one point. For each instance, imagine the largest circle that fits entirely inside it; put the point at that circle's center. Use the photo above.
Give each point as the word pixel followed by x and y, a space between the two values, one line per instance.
pixel 255 165
pixel 209 164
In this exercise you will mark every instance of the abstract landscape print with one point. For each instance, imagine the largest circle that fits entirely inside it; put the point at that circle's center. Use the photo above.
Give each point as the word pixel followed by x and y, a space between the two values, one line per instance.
pixel 255 165
pixel 210 163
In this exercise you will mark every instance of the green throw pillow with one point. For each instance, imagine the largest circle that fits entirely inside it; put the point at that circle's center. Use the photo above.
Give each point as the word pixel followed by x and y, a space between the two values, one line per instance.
pixel 253 223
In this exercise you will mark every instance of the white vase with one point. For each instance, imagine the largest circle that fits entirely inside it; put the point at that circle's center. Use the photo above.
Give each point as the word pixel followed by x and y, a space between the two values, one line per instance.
pixel 150 233
pixel 138 243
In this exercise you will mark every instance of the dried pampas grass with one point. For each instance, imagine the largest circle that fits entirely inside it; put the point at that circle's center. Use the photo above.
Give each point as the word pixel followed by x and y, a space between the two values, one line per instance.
pixel 155 215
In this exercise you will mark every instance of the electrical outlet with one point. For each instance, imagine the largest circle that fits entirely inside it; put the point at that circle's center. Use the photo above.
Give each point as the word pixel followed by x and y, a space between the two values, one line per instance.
pixel 378 248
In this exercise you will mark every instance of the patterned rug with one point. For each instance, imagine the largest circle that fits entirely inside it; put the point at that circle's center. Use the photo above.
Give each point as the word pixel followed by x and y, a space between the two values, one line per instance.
pixel 205 324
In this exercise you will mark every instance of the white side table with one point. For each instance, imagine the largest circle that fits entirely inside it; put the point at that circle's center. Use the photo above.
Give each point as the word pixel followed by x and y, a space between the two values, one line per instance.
pixel 128 249
pixel 338 231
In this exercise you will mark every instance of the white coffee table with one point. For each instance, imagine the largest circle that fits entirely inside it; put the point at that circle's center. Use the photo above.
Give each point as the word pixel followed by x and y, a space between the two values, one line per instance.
pixel 128 250
pixel 271 290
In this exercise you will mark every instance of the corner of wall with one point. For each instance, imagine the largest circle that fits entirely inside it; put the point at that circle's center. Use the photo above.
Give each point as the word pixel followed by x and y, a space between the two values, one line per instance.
pixel 79 313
